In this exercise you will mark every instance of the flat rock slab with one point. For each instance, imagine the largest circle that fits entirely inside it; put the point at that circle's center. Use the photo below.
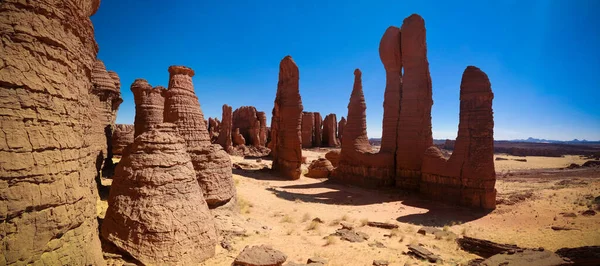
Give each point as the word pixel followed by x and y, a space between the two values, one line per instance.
pixel 525 258
pixel 382 225
pixel 423 253
pixel 436 232
pixel 483 248
pixel 260 256
pixel 586 255
pixel 351 235
pixel 380 263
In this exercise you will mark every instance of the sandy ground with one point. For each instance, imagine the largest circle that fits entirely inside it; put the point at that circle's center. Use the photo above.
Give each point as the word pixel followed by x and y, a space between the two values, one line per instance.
pixel 280 212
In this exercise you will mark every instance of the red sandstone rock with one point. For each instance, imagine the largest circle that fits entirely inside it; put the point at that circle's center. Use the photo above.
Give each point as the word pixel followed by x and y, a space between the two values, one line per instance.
pixel 262 135
pixel 468 177
pixel 238 138
pixel 156 210
pixel 122 136
pixel 286 139
pixel 225 130
pixel 47 156
pixel 333 157
pixel 245 118
pixel 308 129
pixel 330 131
pixel 320 168
pixel 391 58
pixel 213 129
pixel 149 105
pixel 414 124
pixel 318 141
pixel 211 162
pixel 341 126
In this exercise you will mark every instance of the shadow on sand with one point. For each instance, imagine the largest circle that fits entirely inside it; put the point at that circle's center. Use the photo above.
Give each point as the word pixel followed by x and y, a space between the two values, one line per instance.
pixel 438 214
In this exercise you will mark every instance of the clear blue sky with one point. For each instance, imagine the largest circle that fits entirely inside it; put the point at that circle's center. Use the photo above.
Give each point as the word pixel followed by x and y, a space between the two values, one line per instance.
pixel 542 56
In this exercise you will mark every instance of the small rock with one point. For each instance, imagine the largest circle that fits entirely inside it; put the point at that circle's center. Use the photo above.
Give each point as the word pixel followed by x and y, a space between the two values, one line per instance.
pixel 318 220
pixel 377 244
pixel 346 225
pixel 316 260
pixel 350 235
pixel 569 214
pixel 380 263
pixel 588 213
pixel 226 245
pixel 259 160
pixel 260 256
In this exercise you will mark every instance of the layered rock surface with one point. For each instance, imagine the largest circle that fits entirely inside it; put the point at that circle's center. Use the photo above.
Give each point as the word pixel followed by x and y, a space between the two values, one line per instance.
pixel 48 159
pixel 246 120
pixel 122 136
pixel 286 124
pixel 225 129
pixel 330 131
pixel 318 141
pixel 211 162
pixel 157 212
pixel 308 129
pixel 149 105
pixel 262 133
pixel 213 129
pixel 341 126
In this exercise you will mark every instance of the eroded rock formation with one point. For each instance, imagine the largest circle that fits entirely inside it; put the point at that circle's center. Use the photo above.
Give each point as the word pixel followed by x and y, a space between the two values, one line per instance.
pixel 308 129
pixel 330 131
pixel 320 168
pixel 333 157
pixel 149 105
pixel 213 129
pixel 341 126
pixel 225 128
pixel 47 155
pixel 318 141
pixel 211 162
pixel 238 138
pixel 468 177
pixel 178 227
pixel 246 120
pixel 286 123
pixel 262 133
pixel 122 136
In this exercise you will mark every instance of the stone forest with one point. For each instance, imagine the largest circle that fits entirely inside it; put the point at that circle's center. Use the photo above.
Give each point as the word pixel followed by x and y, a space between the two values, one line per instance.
pixel 179 188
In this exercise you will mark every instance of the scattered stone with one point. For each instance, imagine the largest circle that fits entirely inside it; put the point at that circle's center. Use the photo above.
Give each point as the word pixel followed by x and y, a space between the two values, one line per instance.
pixel 422 253
pixel 483 248
pixel 226 245
pixel 320 168
pixel 382 225
pixel 260 256
pixel 568 214
pixel 318 220
pixel 346 225
pixel 520 160
pixel 501 159
pixel 380 263
pixel 562 228
pixel 351 235
pixel 588 213
pixel 527 257
pixel 316 260
pixel 377 244
pixel 586 255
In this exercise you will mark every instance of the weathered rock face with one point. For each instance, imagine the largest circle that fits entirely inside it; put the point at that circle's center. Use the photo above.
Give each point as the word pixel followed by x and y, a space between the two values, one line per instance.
pixel 468 177
pixel 286 124
pixel 245 118
pixel 391 58
pixel 320 168
pixel 238 138
pixel 333 157
pixel 122 136
pixel 414 128
pixel 47 158
pixel 149 105
pixel 158 172
pixel 262 133
pixel 341 126
pixel 213 129
pixel 260 256
pixel 225 128
pixel 308 129
pixel 211 162
pixel 330 131
pixel 318 141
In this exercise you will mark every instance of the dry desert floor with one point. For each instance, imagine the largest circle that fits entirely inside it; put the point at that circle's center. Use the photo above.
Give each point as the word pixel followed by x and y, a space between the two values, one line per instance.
pixel 532 196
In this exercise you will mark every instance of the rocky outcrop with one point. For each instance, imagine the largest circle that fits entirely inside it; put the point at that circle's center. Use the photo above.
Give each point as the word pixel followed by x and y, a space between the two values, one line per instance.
pixel 341 126
pixel 48 159
pixel 225 128
pixel 414 123
pixel 149 105
pixel 318 141
pixel 262 133
pixel 308 129
pixel 211 162
pixel 320 168
pixel 122 136
pixel 260 256
pixel 333 157
pixel 286 139
pixel 468 177
pixel 213 129
pixel 238 138
pixel 178 227
pixel 330 131
pixel 246 120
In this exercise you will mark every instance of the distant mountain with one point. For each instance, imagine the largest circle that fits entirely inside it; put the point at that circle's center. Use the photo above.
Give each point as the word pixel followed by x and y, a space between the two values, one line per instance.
pixel 575 141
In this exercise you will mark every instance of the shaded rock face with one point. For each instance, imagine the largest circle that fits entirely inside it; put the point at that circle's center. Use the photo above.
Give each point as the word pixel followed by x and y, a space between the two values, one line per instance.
pixel 238 138
pixel 245 118
pixel 320 168
pixel 318 141
pixel 286 124
pixel 122 136
pixel 468 177
pixel 414 124
pixel 330 131
pixel 333 157
pixel 341 126
pixel 48 156
pixel 225 128
pixel 158 172
pixel 211 162
pixel 262 133
pixel 149 105
pixel 213 129
pixel 308 129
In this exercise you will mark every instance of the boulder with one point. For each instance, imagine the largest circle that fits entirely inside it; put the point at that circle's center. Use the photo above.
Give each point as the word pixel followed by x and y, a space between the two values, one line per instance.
pixel 260 256
pixel 333 157
pixel 178 227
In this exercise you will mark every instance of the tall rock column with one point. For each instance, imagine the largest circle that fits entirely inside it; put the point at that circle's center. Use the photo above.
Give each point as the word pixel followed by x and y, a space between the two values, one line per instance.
pixel 47 158
pixel 262 135
pixel 391 58
pixel 308 129
pixel 149 105
pixel 468 177
pixel 225 129
pixel 330 131
pixel 211 163
pixel 286 137
pixel 318 141
pixel 414 125
pixel 341 126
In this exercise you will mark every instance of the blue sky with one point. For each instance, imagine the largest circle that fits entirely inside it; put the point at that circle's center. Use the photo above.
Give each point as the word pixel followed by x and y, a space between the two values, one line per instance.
pixel 542 56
